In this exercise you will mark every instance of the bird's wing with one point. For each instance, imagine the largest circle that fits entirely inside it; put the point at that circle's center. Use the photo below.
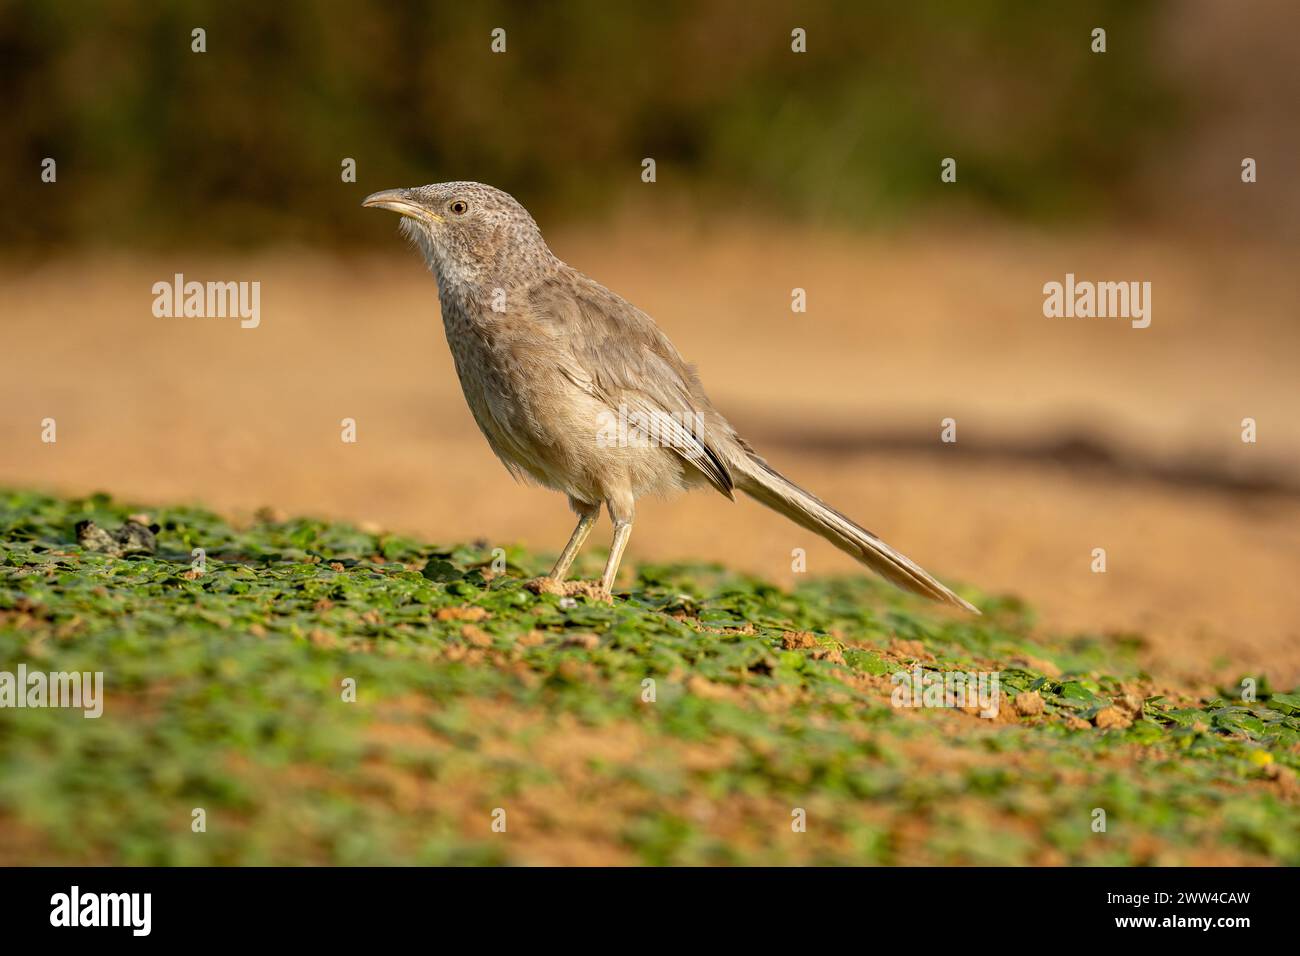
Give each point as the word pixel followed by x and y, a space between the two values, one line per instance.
pixel 618 355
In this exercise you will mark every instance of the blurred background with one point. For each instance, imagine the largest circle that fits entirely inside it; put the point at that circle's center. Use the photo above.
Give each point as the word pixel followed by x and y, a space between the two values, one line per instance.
pixel 775 170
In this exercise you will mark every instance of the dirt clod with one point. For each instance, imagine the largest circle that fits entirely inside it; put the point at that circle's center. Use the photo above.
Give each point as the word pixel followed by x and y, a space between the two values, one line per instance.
pixel 1112 718
pixel 134 537
pixel 476 635
pixel 462 613
pixel 793 640
pixel 1130 705
pixel 587 589
pixel 1029 703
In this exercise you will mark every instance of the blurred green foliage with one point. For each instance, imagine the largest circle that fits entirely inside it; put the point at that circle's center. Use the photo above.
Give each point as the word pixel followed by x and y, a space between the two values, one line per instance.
pixel 244 143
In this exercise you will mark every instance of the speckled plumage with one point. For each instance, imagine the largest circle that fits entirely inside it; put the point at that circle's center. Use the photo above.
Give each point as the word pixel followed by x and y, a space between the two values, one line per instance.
pixel 547 357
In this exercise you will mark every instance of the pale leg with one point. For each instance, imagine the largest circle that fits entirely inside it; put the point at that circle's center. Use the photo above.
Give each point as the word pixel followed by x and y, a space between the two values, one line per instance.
pixel 621 533
pixel 620 512
pixel 587 515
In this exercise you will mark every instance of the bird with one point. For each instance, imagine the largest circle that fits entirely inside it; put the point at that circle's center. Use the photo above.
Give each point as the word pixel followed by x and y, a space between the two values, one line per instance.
pixel 578 390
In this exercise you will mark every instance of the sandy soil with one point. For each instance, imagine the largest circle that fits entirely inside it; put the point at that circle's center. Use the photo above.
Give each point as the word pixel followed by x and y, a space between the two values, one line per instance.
pixel 900 332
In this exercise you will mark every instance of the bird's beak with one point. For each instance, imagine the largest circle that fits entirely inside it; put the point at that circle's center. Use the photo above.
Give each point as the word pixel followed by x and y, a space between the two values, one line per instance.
pixel 400 201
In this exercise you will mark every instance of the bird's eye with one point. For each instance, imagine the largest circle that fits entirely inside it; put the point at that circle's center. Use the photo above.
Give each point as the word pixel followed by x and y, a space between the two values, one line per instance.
pixel 459 207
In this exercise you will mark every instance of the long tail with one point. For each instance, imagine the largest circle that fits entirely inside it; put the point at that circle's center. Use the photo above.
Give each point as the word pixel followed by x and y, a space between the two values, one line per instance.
pixel 763 483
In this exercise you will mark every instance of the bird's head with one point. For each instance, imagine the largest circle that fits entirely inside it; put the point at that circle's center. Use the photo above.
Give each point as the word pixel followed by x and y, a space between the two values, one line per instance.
pixel 470 234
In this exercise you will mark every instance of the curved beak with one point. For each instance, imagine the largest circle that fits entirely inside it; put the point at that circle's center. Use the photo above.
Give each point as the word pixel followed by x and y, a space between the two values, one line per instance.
pixel 400 201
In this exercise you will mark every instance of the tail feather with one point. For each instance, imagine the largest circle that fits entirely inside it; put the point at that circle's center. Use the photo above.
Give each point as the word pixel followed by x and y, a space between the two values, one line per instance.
pixel 769 487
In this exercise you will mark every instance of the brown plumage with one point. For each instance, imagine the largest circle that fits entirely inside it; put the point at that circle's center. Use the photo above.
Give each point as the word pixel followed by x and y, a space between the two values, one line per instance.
pixel 577 389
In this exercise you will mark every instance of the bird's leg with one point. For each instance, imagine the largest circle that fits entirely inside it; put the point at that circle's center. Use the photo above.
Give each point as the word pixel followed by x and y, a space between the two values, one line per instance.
pixel 587 515
pixel 620 512
pixel 622 531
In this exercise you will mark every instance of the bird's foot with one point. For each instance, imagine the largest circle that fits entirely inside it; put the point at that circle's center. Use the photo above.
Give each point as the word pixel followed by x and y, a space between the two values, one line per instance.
pixel 588 589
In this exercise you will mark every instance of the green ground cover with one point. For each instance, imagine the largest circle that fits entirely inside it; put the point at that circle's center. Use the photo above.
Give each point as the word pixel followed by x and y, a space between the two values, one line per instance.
pixel 703 717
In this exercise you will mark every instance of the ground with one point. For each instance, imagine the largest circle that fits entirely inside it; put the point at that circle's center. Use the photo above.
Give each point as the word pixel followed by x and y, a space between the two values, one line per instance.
pixel 326 694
